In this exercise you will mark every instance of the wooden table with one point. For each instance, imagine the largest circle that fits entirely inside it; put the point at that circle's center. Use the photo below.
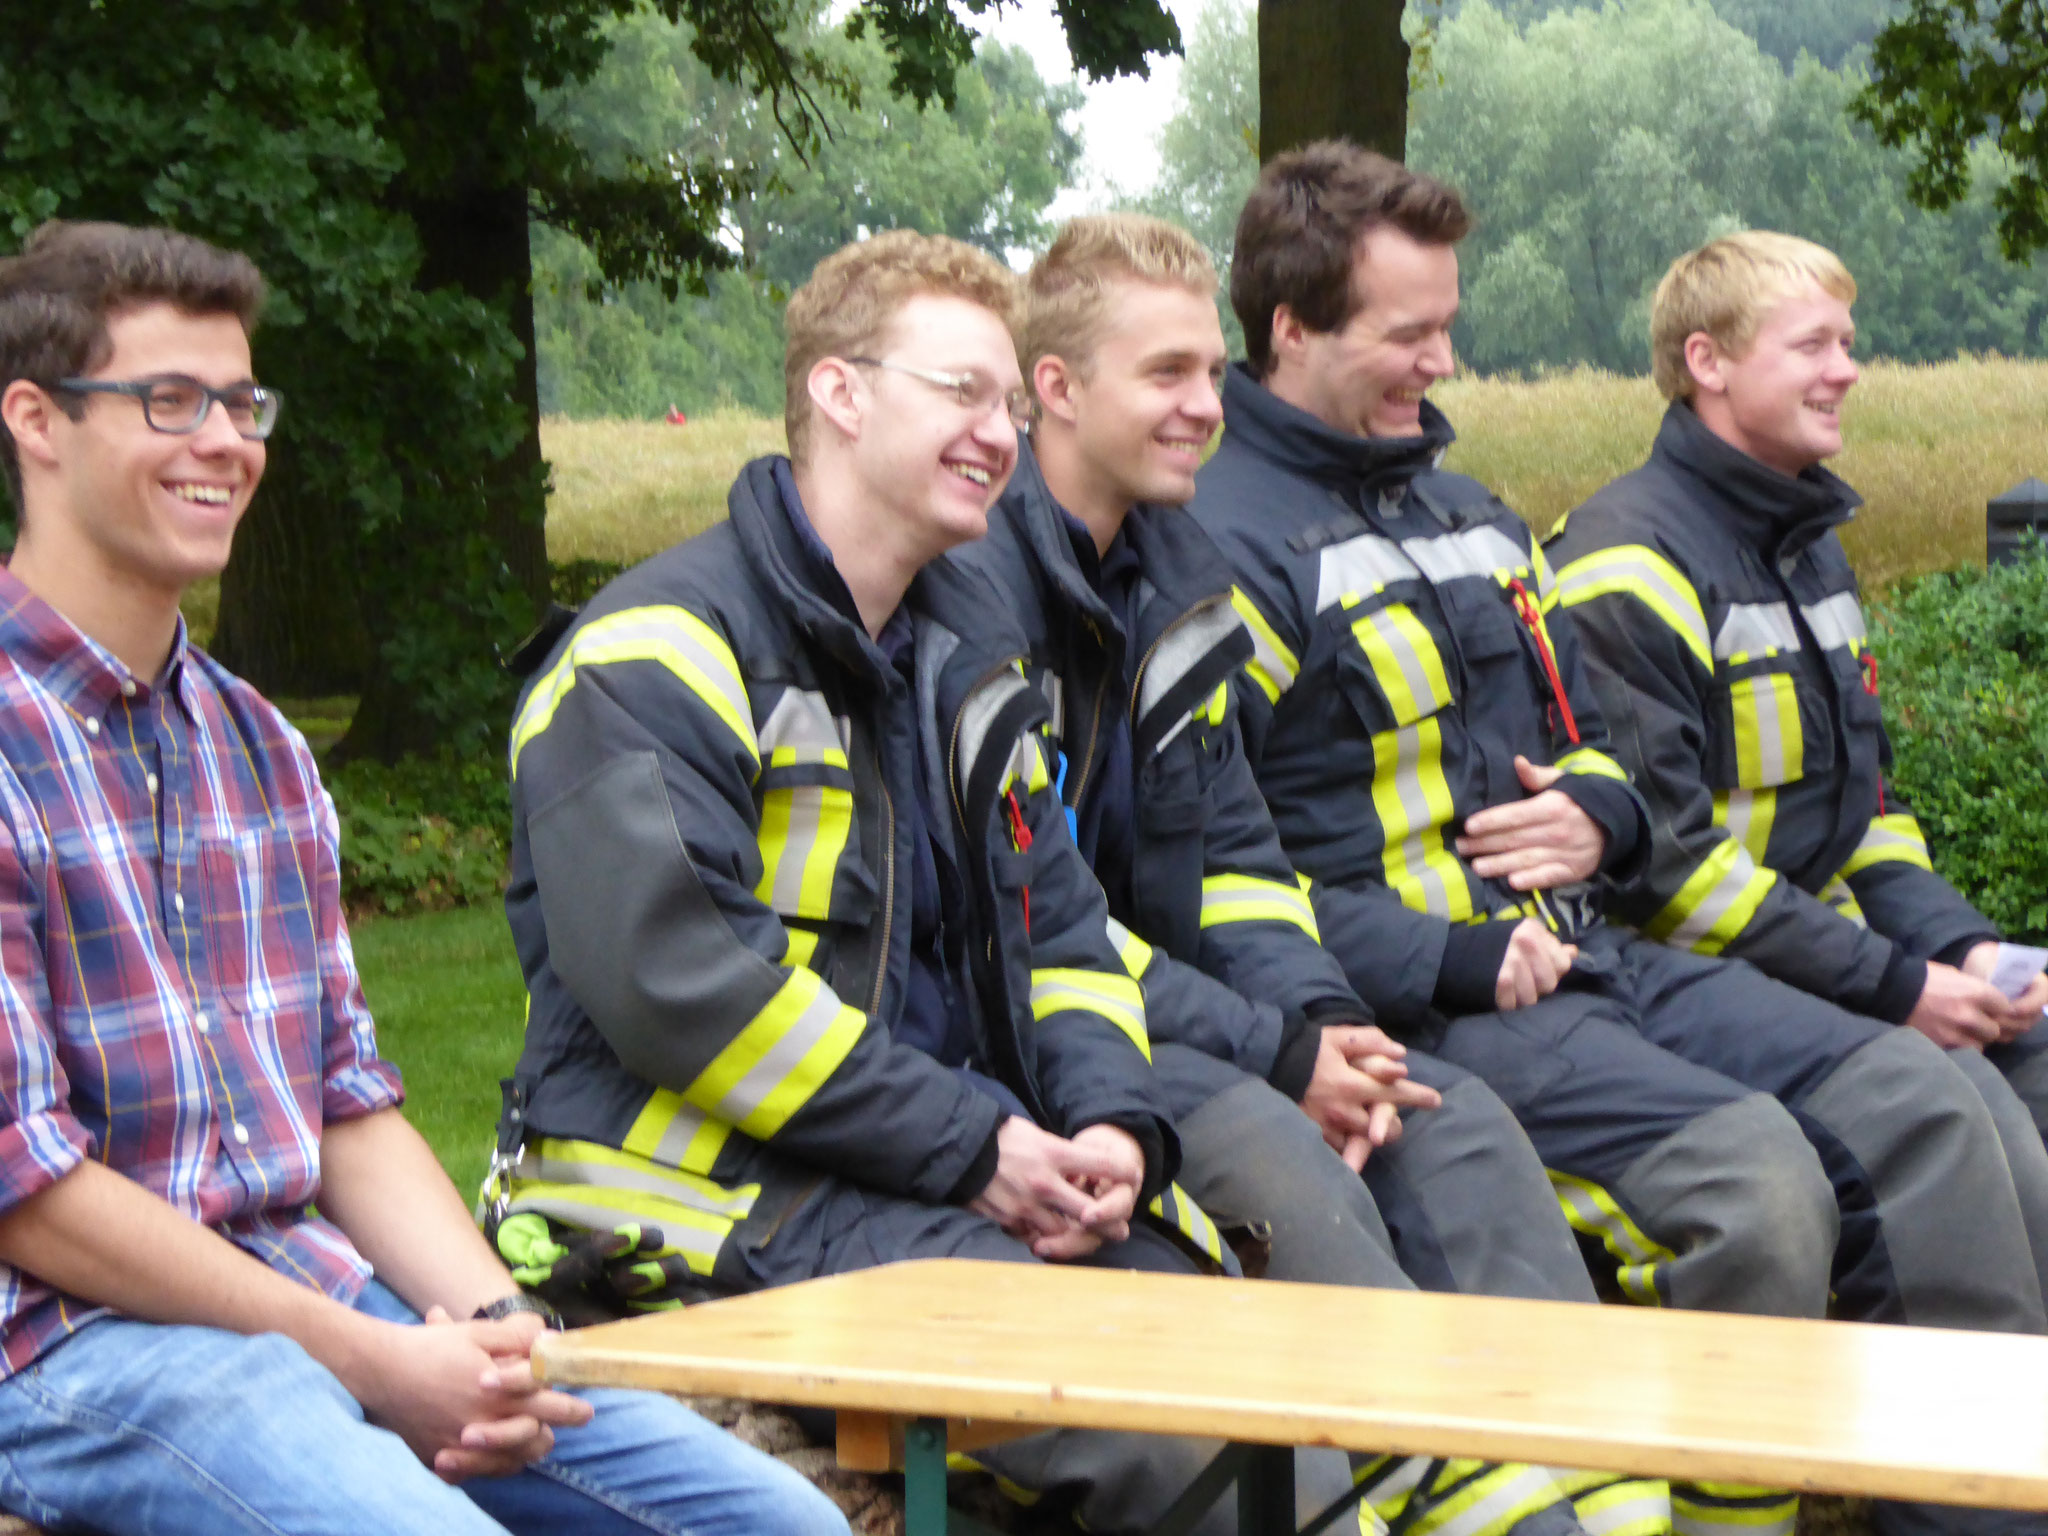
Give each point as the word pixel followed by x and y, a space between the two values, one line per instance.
pixel 916 1357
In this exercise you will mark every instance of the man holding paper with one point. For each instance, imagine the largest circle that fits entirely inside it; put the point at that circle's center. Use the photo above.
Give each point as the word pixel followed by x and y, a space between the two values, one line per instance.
pixel 1725 635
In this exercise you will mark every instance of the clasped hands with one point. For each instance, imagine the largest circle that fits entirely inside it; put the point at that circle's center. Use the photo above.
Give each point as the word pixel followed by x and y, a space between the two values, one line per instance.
pixel 1542 841
pixel 1065 1196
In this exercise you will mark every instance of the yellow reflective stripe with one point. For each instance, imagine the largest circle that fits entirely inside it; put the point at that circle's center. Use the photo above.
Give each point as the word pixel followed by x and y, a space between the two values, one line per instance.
pixel 1748 814
pixel 1173 1206
pixel 1412 799
pixel 803 835
pixel 1698 1510
pixel 803 945
pixel 1249 899
pixel 1586 760
pixel 770 1069
pixel 673 1131
pixel 561 1160
pixel 1405 661
pixel 1218 705
pixel 673 637
pixel 1273 666
pixel 1135 953
pixel 1593 1211
pixel 1769 748
pixel 1716 902
pixel 1608 1504
pixel 1893 839
pixel 1116 998
pixel 692 1233
pixel 1491 1504
pixel 1547 595
pixel 1026 763
pixel 1633 570
pixel 1836 894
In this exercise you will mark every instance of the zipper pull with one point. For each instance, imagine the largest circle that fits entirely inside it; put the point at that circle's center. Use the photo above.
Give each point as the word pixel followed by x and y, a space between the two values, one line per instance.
pixel 1531 614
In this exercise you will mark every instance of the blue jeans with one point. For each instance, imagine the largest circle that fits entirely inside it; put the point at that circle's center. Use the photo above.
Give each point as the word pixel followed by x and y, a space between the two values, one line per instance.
pixel 156 1430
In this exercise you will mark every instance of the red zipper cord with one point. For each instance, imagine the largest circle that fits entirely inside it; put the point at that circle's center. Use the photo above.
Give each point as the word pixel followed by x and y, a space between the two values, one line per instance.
pixel 1020 835
pixel 1532 617
pixel 1869 660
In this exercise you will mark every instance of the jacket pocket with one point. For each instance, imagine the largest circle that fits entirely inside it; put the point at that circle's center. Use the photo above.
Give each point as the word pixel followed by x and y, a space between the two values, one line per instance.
pixel 1769 727
pixel 1391 669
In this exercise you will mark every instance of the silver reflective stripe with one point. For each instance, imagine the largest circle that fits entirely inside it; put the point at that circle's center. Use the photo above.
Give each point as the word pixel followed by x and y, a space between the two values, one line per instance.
pixel 1402 1477
pixel 1728 890
pixel 1468 552
pixel 1739 814
pixel 782 1058
pixel 647 1181
pixel 1360 567
pixel 1651 1508
pixel 1187 640
pixel 1612 570
pixel 1752 628
pixel 803 722
pixel 979 713
pixel 1836 622
pixel 792 859
pixel 1055 696
pixel 1519 1490
pixel 594 1216
pixel 677 1135
pixel 1416 849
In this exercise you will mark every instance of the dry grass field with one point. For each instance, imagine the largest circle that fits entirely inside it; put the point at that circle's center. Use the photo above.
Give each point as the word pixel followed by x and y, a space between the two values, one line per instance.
pixel 1927 447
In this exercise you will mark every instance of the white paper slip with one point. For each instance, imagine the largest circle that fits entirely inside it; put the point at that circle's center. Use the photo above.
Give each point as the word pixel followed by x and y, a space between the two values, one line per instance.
pixel 2016 967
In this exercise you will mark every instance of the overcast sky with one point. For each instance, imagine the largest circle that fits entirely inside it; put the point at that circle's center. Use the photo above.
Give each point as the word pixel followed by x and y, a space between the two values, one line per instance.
pixel 1122 118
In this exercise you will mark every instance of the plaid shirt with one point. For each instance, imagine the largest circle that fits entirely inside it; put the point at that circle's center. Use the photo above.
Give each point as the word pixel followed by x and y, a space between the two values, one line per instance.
pixel 177 994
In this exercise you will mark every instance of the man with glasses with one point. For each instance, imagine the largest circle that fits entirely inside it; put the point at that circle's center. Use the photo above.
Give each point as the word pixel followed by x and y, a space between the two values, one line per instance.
pixel 186 1062
pixel 818 980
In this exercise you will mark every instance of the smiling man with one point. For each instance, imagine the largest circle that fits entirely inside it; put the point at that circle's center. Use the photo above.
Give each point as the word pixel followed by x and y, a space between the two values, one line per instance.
pixel 1434 758
pixel 186 1062
pixel 1726 639
pixel 817 978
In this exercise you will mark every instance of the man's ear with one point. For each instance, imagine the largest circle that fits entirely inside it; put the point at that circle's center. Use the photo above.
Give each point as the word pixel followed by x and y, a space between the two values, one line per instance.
pixel 1703 362
pixel 1289 337
pixel 1054 384
pixel 836 395
pixel 28 412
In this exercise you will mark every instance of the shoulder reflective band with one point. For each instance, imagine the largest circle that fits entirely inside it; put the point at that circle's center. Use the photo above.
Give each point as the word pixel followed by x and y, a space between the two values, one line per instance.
pixel 1747 814
pixel 1769 747
pixel 670 637
pixel 1358 568
pixel 1481 551
pixel 1250 899
pixel 1273 665
pixel 1716 902
pixel 1893 839
pixel 801 728
pixel 1634 570
pixel 1755 629
pixel 770 1069
pixel 1058 989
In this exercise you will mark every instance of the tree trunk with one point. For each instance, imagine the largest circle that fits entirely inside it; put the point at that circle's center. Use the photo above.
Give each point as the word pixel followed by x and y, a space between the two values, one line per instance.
pixel 289 620
pixel 1332 69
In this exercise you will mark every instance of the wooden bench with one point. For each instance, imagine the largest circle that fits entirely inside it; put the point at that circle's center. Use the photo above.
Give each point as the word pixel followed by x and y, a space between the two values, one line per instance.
pixel 922 1357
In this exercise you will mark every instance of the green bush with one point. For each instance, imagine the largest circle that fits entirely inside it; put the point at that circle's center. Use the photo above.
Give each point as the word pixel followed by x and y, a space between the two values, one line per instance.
pixel 1964 662
pixel 428 833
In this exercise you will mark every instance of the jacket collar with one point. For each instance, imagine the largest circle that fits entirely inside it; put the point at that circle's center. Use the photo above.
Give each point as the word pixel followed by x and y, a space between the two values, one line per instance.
pixel 1259 419
pixel 1773 512
pixel 1035 514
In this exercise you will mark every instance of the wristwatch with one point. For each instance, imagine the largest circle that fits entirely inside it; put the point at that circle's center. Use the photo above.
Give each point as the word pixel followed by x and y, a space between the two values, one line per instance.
pixel 519 1301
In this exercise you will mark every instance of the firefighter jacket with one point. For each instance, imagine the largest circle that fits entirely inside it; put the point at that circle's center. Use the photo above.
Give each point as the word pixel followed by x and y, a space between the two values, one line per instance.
pixel 1408 644
pixel 1210 892
pixel 711 889
pixel 1725 636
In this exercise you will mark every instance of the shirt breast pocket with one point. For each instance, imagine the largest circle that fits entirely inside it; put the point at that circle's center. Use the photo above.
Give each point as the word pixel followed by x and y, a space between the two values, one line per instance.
pixel 1390 669
pixel 1769 727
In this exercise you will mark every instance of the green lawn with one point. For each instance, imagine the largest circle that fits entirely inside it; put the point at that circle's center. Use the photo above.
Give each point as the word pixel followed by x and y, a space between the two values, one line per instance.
pixel 449 1005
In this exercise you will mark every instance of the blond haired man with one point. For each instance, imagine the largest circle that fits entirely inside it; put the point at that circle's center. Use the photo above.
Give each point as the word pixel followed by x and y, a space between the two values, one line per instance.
pixel 817 980
pixel 1725 637
pixel 1282 1086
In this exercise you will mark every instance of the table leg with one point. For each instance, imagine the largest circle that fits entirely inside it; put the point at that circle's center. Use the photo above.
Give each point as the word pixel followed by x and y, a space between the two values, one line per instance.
pixel 924 1477
pixel 1265 1492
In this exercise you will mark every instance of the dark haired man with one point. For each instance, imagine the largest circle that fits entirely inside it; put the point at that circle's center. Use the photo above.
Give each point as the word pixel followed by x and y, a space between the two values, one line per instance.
pixel 186 1063
pixel 1435 761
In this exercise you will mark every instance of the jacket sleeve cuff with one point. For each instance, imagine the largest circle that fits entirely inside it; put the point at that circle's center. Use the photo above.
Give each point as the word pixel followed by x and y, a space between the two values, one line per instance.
pixel 1617 811
pixel 1898 990
pixel 1161 1149
pixel 1294 1064
pixel 971 1183
pixel 1956 953
pixel 1473 956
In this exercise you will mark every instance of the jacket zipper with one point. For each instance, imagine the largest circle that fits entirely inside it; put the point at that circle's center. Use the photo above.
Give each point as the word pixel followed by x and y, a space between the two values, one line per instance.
pixel 1094 724
pixel 888 895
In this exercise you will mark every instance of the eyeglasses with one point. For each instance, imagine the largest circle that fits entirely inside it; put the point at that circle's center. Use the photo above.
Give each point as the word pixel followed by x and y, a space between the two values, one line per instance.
pixel 180 406
pixel 975 393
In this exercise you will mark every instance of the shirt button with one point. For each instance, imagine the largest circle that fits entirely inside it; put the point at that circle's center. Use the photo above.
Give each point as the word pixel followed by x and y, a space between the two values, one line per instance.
pixel 92 727
pixel 241 1135
pixel 203 1022
pixel 150 780
pixel 127 687
pixel 178 900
